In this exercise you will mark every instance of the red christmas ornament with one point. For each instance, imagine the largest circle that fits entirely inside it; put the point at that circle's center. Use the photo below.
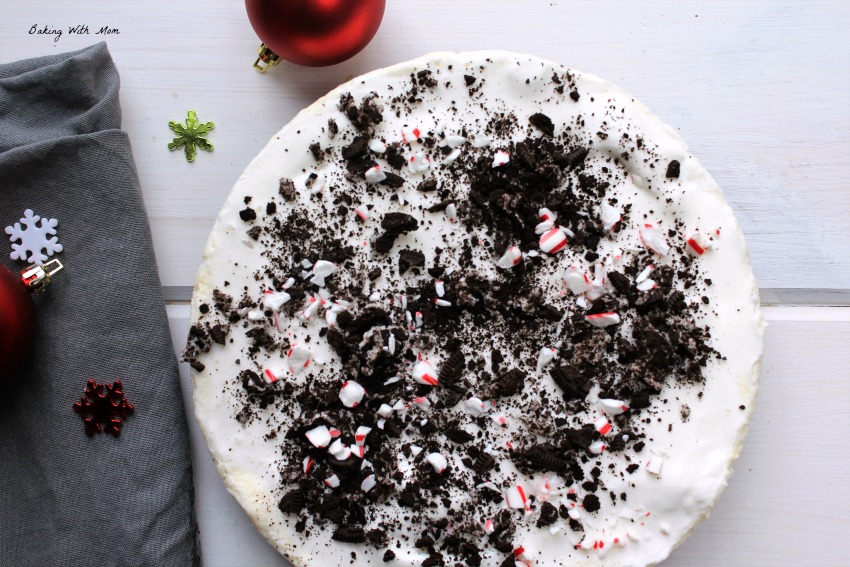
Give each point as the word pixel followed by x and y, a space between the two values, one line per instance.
pixel 314 33
pixel 17 312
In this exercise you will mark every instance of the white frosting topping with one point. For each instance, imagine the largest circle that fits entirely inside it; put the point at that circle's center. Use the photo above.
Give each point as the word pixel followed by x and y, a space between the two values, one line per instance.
pixel 695 431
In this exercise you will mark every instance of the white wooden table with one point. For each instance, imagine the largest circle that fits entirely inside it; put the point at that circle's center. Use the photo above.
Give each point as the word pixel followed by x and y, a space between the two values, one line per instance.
pixel 758 89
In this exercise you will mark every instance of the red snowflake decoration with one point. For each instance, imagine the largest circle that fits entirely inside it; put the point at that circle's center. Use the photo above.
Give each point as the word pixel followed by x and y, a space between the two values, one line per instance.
pixel 103 407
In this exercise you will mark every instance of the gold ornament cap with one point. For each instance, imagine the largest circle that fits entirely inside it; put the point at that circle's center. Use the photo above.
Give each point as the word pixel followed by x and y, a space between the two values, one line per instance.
pixel 266 59
pixel 38 277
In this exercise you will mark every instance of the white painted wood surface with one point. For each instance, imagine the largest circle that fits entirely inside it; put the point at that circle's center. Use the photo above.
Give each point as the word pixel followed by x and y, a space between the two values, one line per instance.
pixel 787 504
pixel 758 89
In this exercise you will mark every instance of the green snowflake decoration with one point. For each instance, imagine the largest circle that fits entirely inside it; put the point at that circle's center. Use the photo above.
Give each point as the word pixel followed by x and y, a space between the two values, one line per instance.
pixel 191 135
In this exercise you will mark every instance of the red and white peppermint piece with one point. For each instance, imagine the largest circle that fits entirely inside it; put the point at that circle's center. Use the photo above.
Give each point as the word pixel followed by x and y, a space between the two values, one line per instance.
pixel 410 134
pixel 546 215
pixel 510 258
pixel 577 281
pixel 442 303
pixel 358 450
pixel 377 146
pixel 603 426
pixel 597 447
pixel 360 434
pixel 362 213
pixel 609 216
pixel 697 243
pixel 553 240
pixel 515 496
pixel 644 274
pixel 375 174
pixel 613 407
pixel 272 375
pixel 424 373
pixel 654 464
pixel 422 403
pixel 334 432
pixel 332 481
pixel 440 287
pixel 646 285
pixel 255 315
pixel 544 227
pixel 321 270
pixel 654 240
pixel 475 407
pixel 488 526
pixel 438 461
pixel 311 307
pixel 451 212
pixel 340 451
pixel 415 450
pixel 419 320
pixel 308 463
pixel 274 300
pixel 368 483
pixel 500 419
pixel 319 436
pixel 351 394
pixel 501 158
pixel 400 406
pixel 418 162
pixel 298 358
pixel 602 320
pixel 385 410
pixel 544 357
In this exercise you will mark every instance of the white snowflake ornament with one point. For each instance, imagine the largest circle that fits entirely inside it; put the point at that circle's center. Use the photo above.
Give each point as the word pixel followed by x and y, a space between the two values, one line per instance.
pixel 37 241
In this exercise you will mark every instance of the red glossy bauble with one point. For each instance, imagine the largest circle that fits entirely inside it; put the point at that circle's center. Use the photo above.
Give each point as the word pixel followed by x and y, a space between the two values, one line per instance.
pixel 17 321
pixel 315 32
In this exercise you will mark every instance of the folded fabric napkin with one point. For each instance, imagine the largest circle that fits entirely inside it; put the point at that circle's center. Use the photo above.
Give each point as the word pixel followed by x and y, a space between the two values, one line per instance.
pixel 67 498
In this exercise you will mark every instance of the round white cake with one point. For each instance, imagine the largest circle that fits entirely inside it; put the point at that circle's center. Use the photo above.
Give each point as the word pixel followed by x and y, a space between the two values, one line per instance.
pixel 475 309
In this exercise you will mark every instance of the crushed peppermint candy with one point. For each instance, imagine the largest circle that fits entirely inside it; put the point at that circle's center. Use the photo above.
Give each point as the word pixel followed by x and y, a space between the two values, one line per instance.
pixel 274 300
pixel 418 162
pixel 603 426
pixel 510 258
pixel 319 436
pixel 475 407
pixel 546 215
pixel 361 433
pixel 272 375
pixel 438 461
pixel 451 212
pixel 697 243
pixel 602 320
pixel 385 410
pixel 553 240
pixel 577 281
pixel 321 270
pixel 410 134
pixel 339 451
pixel 332 481
pixel 351 394
pixel 515 496
pixel 501 158
pixel 440 287
pixel 424 373
pixel 613 407
pixel 596 448
pixel 609 216
pixel 544 226
pixel 368 483
pixel 654 240
pixel 442 303
pixel 455 153
pixel 481 141
pixel 654 464
pixel 298 358
pixel 453 141
pixel 307 464
pixel 377 146
pixel 375 174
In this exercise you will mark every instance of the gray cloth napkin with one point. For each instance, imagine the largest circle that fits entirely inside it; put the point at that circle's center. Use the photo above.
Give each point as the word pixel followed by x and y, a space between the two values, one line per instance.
pixel 65 498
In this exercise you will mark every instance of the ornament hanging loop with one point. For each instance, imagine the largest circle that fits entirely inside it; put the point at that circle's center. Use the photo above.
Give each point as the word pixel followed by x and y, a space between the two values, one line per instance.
pixel 266 59
pixel 38 277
